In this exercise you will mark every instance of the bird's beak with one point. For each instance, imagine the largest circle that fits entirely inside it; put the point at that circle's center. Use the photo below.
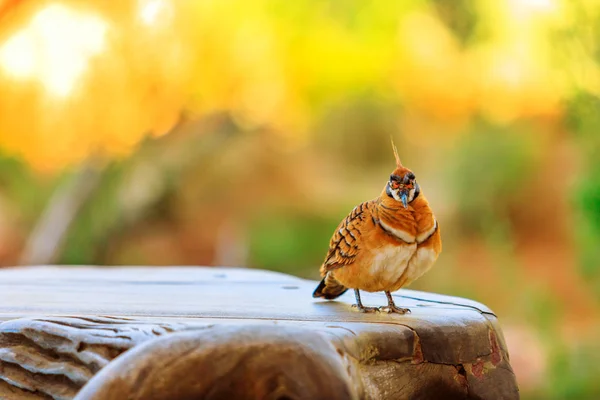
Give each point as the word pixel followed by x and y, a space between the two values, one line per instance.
pixel 404 198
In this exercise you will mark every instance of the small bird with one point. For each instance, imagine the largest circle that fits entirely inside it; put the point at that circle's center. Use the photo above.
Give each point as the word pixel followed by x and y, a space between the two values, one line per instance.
pixel 383 244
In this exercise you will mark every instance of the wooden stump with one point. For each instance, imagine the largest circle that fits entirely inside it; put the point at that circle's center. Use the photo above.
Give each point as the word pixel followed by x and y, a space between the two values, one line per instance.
pixel 222 333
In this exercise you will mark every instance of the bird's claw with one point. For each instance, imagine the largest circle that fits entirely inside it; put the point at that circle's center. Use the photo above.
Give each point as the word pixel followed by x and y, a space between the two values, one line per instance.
pixel 394 309
pixel 364 309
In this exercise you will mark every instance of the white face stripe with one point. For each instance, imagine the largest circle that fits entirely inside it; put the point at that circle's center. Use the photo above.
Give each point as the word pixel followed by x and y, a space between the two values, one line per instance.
pixel 411 195
pixel 400 234
pixel 395 194
pixel 423 236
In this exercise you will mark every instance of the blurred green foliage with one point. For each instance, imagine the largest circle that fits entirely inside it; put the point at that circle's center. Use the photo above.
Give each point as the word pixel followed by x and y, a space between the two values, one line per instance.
pixel 583 119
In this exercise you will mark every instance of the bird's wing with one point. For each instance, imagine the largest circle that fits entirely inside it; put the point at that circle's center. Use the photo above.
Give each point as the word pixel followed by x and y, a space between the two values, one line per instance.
pixel 345 242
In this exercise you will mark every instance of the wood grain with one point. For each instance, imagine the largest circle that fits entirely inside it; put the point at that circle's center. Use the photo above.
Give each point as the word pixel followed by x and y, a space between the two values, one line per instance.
pixel 182 332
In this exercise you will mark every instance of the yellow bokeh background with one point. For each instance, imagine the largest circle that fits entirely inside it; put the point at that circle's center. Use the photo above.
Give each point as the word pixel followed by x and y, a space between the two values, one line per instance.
pixel 80 78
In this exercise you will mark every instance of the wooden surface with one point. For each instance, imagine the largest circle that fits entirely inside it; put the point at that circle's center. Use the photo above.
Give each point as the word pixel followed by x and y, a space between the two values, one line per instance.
pixel 182 332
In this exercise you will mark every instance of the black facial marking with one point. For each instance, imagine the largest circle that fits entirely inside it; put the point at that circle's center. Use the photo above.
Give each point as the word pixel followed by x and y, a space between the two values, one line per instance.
pixel 388 191
pixel 408 177
pixel 395 178
pixel 417 191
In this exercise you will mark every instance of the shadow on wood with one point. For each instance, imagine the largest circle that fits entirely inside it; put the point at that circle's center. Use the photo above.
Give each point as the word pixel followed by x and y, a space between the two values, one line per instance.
pixel 248 362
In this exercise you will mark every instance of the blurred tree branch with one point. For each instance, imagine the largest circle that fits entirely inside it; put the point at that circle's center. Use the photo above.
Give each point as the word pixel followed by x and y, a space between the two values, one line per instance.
pixel 46 240
pixel 139 187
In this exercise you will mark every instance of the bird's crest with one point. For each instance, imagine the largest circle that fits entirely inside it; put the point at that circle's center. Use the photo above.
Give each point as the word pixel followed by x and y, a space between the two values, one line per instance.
pixel 398 163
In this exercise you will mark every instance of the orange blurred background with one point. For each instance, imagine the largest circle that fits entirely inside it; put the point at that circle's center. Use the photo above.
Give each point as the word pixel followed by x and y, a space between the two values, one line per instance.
pixel 239 133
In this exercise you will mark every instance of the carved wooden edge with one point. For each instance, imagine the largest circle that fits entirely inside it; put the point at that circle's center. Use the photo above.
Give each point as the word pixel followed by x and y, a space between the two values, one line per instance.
pixel 55 357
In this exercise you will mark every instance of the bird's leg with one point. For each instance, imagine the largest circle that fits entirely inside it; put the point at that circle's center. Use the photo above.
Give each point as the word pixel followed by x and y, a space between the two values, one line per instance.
pixel 360 306
pixel 392 308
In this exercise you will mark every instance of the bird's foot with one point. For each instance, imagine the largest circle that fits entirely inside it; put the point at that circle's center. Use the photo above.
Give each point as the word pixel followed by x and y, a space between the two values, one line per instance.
pixel 364 309
pixel 394 309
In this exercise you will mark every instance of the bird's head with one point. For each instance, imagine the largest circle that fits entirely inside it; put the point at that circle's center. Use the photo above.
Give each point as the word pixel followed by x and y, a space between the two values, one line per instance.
pixel 402 186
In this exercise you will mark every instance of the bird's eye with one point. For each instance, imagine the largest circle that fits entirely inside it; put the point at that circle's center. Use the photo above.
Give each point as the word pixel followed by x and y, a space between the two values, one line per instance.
pixel 395 184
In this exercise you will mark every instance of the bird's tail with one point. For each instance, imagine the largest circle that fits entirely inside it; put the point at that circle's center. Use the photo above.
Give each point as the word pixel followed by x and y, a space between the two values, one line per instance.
pixel 329 288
